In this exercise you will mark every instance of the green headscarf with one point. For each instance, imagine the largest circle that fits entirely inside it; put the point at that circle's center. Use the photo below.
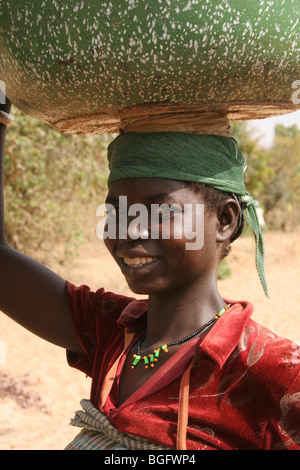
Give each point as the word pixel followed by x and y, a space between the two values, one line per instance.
pixel 211 159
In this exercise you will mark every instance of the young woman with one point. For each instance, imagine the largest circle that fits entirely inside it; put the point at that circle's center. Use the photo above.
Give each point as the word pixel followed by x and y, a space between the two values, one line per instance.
pixel 184 368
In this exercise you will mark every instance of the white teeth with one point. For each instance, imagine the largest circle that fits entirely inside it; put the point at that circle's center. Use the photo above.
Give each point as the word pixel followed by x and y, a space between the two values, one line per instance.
pixel 138 262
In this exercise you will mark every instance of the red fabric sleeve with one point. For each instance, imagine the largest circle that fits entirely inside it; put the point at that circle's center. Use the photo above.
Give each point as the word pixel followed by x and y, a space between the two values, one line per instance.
pixel 283 432
pixel 94 316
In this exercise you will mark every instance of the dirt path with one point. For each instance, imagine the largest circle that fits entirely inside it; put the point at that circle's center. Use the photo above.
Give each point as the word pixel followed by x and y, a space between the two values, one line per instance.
pixel 36 375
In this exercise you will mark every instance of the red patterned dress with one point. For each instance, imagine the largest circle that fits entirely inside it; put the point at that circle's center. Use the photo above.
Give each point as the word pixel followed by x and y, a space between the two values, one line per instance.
pixel 244 387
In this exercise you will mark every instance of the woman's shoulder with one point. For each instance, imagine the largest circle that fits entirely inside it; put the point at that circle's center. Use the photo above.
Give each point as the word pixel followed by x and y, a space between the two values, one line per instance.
pixel 268 345
pixel 272 359
pixel 96 299
pixel 99 303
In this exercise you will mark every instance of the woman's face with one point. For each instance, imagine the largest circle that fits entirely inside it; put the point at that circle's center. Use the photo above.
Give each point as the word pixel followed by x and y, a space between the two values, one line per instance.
pixel 158 250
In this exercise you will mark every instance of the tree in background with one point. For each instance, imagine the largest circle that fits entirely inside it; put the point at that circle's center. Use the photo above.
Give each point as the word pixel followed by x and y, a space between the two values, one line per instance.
pixel 273 175
pixel 258 172
pixel 281 195
pixel 53 181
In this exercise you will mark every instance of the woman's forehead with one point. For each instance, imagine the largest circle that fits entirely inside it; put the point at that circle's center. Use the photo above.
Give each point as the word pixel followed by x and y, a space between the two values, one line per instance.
pixel 152 190
pixel 147 188
pixel 145 185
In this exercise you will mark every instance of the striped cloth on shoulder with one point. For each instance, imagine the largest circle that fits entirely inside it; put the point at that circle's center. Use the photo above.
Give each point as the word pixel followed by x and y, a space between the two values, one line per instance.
pixel 99 434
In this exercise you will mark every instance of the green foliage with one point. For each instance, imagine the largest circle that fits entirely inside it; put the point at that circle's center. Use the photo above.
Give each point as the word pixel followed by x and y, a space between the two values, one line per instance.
pixel 273 175
pixel 281 194
pixel 51 182
pixel 258 172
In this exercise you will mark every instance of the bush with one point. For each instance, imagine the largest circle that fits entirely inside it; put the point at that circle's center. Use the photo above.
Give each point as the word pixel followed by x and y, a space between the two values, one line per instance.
pixel 51 182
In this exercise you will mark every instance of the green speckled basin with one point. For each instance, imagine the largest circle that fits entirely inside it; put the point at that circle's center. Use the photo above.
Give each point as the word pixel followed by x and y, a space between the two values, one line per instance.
pixel 81 65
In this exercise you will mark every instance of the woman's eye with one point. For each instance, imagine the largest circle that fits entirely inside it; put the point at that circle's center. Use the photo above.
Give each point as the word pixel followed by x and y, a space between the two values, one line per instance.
pixel 166 212
pixel 112 212
pixel 161 214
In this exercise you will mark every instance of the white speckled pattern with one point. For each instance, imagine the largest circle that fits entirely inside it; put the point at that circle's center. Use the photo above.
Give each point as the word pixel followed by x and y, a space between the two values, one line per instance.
pixel 80 65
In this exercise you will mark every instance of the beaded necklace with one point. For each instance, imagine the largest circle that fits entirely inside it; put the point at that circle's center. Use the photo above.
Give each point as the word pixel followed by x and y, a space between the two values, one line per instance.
pixel 154 356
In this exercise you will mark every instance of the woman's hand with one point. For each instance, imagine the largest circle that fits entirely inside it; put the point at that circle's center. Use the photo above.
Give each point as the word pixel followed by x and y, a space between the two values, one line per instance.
pixel 6 107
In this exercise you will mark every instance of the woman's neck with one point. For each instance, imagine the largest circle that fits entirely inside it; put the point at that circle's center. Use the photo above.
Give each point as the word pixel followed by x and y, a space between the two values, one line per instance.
pixel 171 317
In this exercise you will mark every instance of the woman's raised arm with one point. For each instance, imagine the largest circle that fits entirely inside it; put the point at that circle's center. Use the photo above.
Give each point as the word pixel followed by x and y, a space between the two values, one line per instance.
pixel 30 293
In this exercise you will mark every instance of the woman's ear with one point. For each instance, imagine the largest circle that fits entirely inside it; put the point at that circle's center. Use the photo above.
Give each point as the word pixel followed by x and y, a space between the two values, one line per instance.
pixel 228 215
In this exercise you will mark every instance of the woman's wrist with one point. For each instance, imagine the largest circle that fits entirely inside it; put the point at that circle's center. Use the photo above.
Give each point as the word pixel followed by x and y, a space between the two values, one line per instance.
pixel 6 118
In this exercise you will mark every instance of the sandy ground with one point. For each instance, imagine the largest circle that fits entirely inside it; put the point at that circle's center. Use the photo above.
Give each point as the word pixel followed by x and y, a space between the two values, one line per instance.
pixel 39 392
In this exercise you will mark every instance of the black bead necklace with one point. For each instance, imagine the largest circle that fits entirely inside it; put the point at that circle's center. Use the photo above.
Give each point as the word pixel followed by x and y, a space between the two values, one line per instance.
pixel 154 356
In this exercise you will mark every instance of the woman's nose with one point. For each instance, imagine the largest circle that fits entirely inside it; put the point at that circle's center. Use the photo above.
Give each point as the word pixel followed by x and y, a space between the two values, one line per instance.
pixel 138 229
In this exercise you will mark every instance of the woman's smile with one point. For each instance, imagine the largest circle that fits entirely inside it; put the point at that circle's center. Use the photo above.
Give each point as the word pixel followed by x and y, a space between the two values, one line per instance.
pixel 160 264
pixel 138 262
pixel 136 267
